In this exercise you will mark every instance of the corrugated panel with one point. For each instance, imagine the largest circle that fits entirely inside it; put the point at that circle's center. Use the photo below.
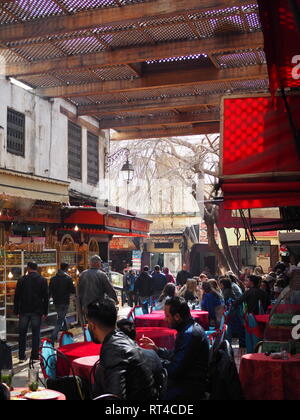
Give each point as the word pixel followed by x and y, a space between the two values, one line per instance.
pixel 41 81
pixel 80 77
pixel 180 31
pixel 80 46
pixel 115 73
pixel 74 6
pixel 108 99
pixel 241 58
pixel 232 19
pixel 39 52
pixel 33 9
pixel 7 56
pixel 251 85
pixel 125 38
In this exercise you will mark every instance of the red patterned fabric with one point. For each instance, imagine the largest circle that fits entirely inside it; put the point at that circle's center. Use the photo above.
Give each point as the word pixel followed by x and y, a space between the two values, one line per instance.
pixel 260 163
pixel 263 378
pixel 162 337
pixel 82 367
pixel 282 42
pixel 157 319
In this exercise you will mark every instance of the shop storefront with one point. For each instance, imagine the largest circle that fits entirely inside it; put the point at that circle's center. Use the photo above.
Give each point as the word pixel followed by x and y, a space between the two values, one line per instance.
pixel 29 215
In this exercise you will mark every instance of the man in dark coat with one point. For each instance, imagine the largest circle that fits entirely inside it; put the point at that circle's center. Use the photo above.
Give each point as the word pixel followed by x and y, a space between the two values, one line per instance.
pixel 182 276
pixel 187 364
pixel 31 305
pixel 61 288
pixel 143 288
pixel 123 369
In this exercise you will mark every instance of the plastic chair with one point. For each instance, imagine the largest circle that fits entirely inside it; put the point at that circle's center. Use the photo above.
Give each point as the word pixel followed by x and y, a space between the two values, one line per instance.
pixel 138 310
pixel 64 381
pixel 86 334
pixel 48 359
pixel 66 338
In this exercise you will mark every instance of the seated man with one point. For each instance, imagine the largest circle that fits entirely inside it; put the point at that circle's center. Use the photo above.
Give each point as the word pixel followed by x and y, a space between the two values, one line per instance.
pixel 123 369
pixel 187 365
pixel 152 359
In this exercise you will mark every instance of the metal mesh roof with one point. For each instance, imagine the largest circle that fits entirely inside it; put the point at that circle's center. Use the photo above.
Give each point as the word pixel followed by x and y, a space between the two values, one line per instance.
pixel 105 53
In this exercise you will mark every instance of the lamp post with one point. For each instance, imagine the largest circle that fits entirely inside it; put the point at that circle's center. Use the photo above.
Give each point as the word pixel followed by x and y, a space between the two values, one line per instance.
pixel 127 170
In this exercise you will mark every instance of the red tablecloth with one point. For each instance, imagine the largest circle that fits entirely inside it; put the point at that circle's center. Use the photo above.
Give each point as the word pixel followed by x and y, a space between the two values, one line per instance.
pixel 77 350
pixel 157 319
pixel 264 378
pixel 262 321
pixel 82 367
pixel 162 337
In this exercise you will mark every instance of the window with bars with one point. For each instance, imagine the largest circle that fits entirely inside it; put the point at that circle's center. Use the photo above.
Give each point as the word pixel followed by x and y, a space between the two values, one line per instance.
pixel 92 159
pixel 15 132
pixel 74 151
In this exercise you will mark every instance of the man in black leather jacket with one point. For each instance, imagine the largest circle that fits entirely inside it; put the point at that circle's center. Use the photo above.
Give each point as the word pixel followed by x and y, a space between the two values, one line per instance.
pixel 123 370
pixel 187 365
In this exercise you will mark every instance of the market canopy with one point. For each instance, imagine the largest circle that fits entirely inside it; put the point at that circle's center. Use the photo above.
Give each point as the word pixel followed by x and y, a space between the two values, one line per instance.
pixel 145 68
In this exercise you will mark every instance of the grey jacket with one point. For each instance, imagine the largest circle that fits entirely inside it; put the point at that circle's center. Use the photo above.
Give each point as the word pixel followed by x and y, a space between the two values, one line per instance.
pixel 93 285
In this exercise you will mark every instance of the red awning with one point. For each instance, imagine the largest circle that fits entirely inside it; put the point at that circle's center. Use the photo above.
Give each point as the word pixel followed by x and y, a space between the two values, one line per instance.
pixel 260 163
pixel 89 220
pixel 282 42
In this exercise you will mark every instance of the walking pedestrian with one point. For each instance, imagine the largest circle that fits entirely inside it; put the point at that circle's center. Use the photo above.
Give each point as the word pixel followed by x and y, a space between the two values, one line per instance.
pixel 129 287
pixel 31 306
pixel 61 288
pixel 143 288
pixel 94 284
pixel 159 280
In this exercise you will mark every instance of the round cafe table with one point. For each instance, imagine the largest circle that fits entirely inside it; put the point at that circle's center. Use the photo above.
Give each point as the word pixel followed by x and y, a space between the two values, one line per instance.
pixel 75 351
pixel 162 337
pixel 83 366
pixel 157 319
pixel 264 378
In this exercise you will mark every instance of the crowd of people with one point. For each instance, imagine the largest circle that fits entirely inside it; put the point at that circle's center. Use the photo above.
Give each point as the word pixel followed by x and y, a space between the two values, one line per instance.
pixel 144 371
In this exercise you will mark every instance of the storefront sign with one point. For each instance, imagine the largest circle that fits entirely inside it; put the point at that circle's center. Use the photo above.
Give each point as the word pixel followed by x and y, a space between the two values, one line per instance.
pixel 140 226
pixel 117 222
pixel 122 243
pixel 136 260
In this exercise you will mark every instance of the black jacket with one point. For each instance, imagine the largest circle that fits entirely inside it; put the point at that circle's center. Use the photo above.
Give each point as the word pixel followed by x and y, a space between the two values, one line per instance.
pixel 187 365
pixel 31 295
pixel 252 297
pixel 224 382
pixel 123 370
pixel 182 277
pixel 61 288
pixel 143 285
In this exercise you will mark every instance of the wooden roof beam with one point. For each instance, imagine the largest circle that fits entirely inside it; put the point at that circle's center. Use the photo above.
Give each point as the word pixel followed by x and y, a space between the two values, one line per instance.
pixel 104 16
pixel 209 128
pixel 147 121
pixel 161 80
pixel 131 55
pixel 145 106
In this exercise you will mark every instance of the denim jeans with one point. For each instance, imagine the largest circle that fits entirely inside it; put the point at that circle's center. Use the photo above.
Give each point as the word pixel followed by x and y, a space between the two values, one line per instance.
pixel 61 323
pixel 24 321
